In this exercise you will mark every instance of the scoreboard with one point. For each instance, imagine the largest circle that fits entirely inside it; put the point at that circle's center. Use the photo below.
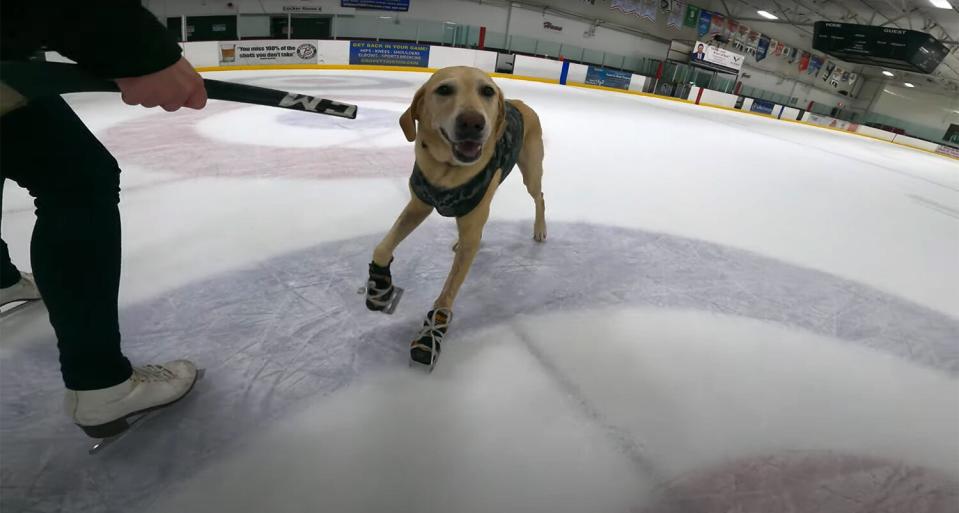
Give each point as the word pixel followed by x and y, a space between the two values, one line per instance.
pixel 888 47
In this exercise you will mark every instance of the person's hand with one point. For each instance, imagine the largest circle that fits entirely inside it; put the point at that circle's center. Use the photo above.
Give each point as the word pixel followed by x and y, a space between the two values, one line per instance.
pixel 171 88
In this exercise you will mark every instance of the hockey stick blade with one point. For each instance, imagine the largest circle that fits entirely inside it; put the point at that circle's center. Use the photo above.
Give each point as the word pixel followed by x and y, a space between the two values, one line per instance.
pixel 32 80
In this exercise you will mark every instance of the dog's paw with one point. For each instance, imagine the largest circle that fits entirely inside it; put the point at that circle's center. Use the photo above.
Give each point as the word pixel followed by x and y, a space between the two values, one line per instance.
pixel 539 233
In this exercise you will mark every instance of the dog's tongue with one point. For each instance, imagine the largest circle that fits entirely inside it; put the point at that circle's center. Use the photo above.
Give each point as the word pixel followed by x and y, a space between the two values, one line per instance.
pixel 469 148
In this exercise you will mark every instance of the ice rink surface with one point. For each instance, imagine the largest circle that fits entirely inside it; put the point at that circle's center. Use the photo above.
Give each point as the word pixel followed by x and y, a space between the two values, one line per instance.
pixel 731 314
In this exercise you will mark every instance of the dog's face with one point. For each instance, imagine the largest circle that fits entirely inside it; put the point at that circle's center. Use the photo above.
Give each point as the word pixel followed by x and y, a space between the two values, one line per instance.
pixel 460 112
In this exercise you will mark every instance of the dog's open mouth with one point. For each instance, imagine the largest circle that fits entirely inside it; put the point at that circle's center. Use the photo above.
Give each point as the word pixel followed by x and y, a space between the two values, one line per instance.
pixel 465 151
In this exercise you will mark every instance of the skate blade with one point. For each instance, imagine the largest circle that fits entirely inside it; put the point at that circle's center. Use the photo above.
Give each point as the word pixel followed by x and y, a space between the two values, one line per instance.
pixel 13 310
pixel 425 367
pixel 394 301
pixel 135 420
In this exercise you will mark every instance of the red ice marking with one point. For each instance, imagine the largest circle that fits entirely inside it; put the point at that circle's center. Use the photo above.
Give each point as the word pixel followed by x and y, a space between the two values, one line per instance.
pixel 170 143
pixel 801 481
pixel 699 95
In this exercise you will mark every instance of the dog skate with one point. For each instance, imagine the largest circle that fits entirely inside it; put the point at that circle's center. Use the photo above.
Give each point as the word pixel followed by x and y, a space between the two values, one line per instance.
pixel 381 295
pixel 425 350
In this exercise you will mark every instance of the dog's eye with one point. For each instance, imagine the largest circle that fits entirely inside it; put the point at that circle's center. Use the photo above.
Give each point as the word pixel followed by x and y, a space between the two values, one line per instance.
pixel 488 91
pixel 444 90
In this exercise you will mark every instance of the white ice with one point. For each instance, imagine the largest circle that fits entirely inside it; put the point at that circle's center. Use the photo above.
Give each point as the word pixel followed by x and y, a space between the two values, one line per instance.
pixel 731 312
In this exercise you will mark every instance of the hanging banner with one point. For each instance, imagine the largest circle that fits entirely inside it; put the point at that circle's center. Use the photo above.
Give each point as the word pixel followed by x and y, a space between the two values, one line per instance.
pixel 804 61
pixel 692 16
pixel 704 20
pixel 814 64
pixel 666 5
pixel 382 5
pixel 717 25
pixel 625 6
pixel 793 53
pixel 762 48
pixel 649 10
pixel 732 28
pixel 776 47
pixel 675 19
pixel 827 71
pixel 715 58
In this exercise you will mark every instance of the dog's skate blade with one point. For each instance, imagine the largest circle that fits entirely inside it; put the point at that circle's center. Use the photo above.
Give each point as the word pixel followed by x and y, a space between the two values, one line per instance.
pixel 425 367
pixel 397 295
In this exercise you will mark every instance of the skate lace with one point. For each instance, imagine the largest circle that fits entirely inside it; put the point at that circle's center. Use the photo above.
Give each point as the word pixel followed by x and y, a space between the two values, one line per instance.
pixel 435 329
pixel 150 373
pixel 378 296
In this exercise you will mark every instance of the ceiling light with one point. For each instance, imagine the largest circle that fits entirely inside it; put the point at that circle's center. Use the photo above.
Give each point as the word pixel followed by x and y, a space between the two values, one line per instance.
pixel 909 85
pixel 770 16
pixel 942 4
pixel 888 73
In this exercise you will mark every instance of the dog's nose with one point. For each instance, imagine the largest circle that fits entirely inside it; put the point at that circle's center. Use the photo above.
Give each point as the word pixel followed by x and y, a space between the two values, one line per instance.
pixel 470 125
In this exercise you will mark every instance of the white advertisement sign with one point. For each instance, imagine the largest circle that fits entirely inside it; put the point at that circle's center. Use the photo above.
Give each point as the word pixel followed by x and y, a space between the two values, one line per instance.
pixel 236 53
pixel 716 58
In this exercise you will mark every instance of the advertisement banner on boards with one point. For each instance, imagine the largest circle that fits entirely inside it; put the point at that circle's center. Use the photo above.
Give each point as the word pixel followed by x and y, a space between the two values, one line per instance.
pixel 269 51
pixel 385 53
pixel 715 58
pixel 762 106
pixel 608 77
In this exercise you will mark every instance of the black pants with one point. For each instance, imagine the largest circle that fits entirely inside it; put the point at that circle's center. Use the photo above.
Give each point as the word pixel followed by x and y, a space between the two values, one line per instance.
pixel 75 250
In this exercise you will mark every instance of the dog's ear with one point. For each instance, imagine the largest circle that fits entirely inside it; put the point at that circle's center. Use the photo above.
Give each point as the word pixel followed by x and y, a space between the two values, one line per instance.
pixel 412 115
pixel 500 126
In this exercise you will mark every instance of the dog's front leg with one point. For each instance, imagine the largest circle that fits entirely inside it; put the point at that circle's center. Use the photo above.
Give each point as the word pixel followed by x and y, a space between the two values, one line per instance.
pixel 381 295
pixel 426 347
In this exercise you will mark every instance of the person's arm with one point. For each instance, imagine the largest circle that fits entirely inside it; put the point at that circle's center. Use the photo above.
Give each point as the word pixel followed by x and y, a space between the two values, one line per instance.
pixel 111 38
pixel 122 40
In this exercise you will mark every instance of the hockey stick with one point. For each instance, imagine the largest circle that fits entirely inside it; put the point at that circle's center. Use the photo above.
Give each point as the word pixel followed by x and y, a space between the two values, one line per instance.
pixel 25 81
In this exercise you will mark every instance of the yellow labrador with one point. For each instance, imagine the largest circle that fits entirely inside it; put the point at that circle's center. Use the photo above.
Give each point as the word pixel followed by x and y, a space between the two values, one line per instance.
pixel 468 138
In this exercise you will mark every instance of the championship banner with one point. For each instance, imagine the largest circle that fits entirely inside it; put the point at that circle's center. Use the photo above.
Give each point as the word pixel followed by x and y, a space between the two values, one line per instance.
pixel 692 16
pixel 763 47
pixel 675 19
pixel 382 5
pixel 704 21
pixel 667 6
pixel 804 61
pixel 732 28
pixel 649 10
pixel 608 77
pixel 625 6
pixel 793 53
pixel 269 51
pixel 716 25
pixel 381 53
pixel 814 64
pixel 715 58
pixel 777 47
pixel 827 70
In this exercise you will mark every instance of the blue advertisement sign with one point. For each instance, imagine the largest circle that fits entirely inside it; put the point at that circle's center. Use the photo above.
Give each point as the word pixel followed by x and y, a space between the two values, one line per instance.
pixel 608 77
pixel 384 53
pixel 762 106
pixel 382 5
